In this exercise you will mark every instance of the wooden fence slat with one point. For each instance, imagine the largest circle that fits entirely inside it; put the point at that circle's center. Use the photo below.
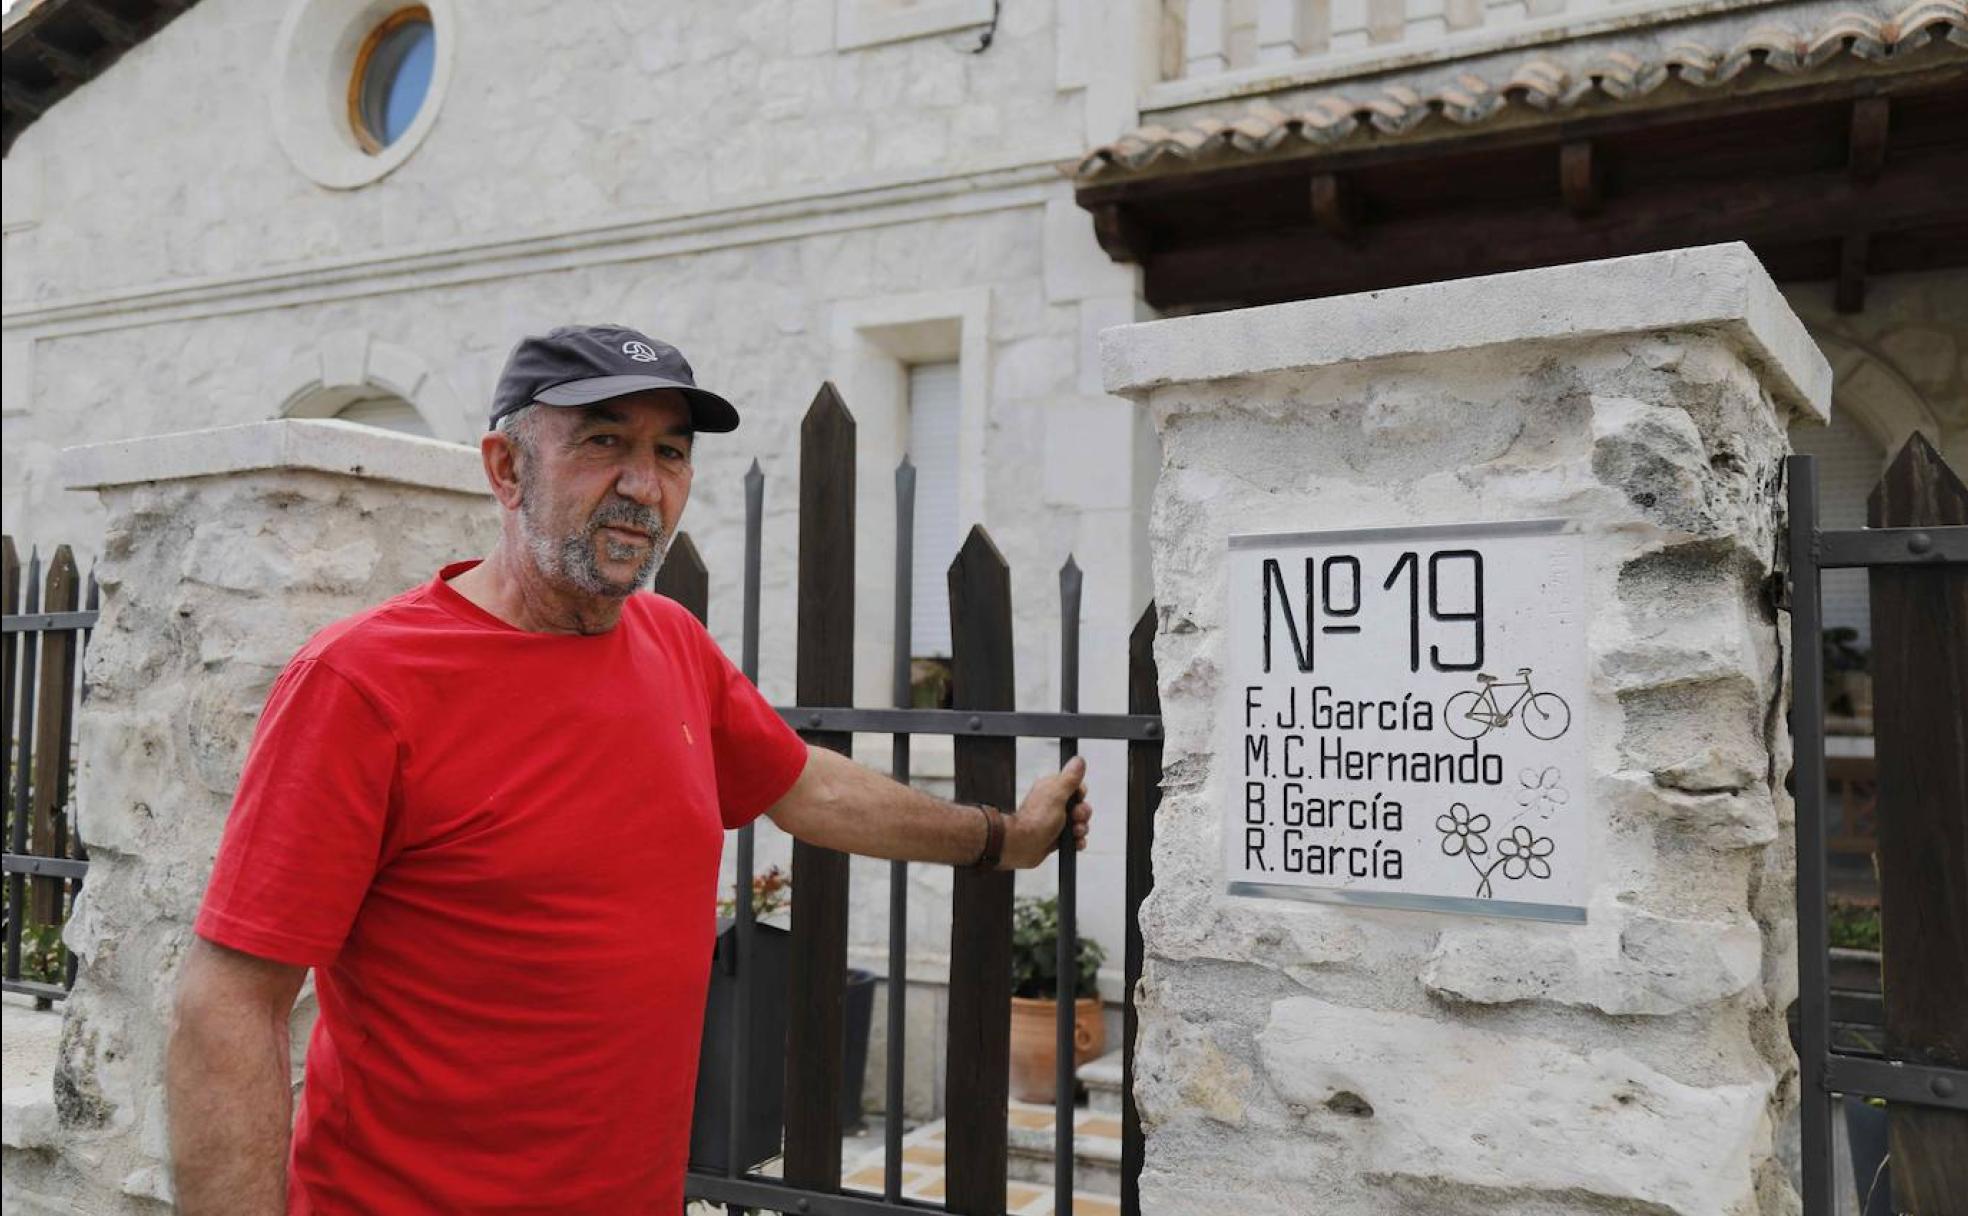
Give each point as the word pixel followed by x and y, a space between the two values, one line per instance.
pixel 54 719
pixel 1144 797
pixel 979 1048
pixel 17 831
pixel 10 573
pixel 814 1064
pixel 1920 674
pixel 684 578
pixel 11 647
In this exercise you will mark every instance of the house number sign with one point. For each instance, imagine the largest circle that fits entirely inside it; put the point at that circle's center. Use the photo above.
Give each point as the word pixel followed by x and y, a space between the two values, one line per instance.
pixel 1405 719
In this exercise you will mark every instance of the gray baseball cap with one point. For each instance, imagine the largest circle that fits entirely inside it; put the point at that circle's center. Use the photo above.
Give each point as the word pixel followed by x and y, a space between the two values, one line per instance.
pixel 585 364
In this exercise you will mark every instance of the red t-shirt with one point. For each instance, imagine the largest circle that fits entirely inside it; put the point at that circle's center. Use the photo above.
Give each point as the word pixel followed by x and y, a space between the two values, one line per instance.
pixel 499 851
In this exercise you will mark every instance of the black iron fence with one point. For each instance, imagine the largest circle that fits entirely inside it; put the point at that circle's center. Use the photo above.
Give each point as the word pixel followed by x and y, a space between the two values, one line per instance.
pixel 1916 551
pixel 45 860
pixel 985 724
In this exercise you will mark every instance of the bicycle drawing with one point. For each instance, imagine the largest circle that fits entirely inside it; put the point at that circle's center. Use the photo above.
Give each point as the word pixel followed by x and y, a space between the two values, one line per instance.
pixel 1475 712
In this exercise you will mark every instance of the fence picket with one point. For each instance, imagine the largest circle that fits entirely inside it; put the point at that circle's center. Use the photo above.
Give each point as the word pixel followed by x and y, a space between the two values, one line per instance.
pixel 814 1065
pixel 979 1051
pixel 1920 672
pixel 54 718
pixel 1144 796
pixel 16 646
pixel 1066 964
pixel 684 578
pixel 24 739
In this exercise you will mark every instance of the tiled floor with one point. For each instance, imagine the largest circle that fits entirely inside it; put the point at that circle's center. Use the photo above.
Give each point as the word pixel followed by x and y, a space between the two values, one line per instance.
pixel 1094 1134
pixel 922 1163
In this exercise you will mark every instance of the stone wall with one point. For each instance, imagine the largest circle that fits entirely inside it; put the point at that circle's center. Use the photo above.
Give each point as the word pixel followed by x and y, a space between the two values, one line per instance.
pixel 224 551
pixel 1306 1057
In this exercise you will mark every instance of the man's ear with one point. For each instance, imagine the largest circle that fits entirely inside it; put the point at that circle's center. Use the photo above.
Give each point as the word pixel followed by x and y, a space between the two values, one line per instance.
pixel 501 457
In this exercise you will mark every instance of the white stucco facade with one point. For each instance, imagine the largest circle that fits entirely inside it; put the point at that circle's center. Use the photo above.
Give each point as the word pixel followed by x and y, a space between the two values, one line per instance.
pixel 786 193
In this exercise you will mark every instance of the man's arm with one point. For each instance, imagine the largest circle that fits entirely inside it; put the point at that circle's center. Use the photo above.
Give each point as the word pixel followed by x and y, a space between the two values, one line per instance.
pixel 841 805
pixel 226 1082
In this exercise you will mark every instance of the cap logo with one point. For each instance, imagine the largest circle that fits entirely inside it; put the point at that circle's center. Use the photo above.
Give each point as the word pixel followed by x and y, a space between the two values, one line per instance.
pixel 641 352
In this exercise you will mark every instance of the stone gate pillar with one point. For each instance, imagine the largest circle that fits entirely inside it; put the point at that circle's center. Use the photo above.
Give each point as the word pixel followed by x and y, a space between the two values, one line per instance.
pixel 1414 950
pixel 224 551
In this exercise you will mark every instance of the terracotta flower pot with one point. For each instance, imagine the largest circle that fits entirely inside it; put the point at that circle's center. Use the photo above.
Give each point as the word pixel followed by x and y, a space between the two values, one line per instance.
pixel 1034 1033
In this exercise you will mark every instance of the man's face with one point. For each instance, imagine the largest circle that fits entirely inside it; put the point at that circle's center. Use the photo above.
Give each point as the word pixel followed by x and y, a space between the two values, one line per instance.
pixel 602 488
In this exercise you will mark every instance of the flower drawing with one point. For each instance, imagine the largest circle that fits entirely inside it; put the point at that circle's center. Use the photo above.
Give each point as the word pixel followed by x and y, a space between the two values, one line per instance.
pixel 1524 852
pixel 1462 832
pixel 1519 854
pixel 1541 791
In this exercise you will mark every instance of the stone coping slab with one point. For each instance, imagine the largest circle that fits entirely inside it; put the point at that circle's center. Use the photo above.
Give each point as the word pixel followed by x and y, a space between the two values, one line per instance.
pixel 322 445
pixel 29 1042
pixel 1718 288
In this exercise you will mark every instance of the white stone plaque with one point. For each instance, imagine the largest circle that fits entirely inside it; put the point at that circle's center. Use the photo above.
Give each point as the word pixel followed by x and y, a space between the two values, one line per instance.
pixel 1405 718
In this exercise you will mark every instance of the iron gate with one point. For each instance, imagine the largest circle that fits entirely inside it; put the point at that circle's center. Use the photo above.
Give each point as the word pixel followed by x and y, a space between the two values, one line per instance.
pixel 1917 553
pixel 985 725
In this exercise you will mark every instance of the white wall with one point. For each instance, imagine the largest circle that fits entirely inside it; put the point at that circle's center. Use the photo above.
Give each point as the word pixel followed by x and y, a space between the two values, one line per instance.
pixel 728 176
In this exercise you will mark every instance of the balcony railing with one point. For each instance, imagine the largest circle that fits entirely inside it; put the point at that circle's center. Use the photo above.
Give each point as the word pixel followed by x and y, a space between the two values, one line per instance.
pixel 1217 48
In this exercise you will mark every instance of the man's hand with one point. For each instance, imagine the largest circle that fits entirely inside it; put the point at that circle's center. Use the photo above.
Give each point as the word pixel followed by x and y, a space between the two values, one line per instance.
pixel 1033 833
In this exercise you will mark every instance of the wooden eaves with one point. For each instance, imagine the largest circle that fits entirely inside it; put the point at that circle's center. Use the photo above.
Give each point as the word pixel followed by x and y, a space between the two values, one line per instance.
pixel 1831 179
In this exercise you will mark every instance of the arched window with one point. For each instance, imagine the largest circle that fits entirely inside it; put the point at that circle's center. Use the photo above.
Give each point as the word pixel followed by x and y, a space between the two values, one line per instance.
pixel 389 412
pixel 356 378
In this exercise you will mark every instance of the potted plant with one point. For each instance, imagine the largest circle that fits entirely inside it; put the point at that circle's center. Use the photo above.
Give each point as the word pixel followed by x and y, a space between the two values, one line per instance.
pixel 1035 990
pixel 764 1037
pixel 765 1050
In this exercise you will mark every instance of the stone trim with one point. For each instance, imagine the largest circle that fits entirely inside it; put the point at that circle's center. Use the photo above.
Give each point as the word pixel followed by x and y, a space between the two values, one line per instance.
pixel 1720 287
pixel 350 362
pixel 631 239
pixel 321 445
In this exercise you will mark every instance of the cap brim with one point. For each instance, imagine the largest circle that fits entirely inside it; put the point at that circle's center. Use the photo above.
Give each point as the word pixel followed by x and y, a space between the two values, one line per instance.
pixel 708 411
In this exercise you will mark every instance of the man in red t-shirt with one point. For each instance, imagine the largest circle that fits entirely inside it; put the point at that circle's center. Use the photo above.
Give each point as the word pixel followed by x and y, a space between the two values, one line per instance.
pixel 488 815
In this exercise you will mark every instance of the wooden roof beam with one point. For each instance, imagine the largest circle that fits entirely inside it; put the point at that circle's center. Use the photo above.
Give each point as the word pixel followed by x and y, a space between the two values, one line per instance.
pixel 1580 177
pixel 110 27
pixel 1121 233
pixel 65 64
pixel 1335 206
pixel 1867 153
pixel 18 97
pixel 1865 159
pixel 1299 263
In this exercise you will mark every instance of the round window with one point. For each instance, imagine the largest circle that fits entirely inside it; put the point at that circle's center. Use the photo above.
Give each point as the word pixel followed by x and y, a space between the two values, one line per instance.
pixel 392 78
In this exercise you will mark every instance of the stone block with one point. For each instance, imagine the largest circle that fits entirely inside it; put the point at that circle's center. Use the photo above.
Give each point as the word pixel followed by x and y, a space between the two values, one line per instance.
pixel 1622 964
pixel 1654 456
pixel 1434 1101
pixel 1089 453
